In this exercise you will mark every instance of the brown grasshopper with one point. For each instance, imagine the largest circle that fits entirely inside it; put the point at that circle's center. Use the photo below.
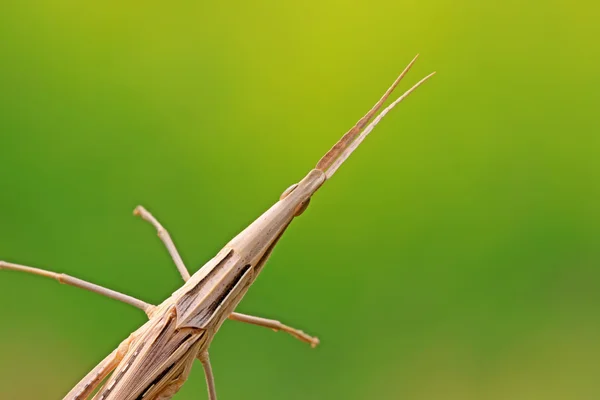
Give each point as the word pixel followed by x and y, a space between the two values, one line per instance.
pixel 155 360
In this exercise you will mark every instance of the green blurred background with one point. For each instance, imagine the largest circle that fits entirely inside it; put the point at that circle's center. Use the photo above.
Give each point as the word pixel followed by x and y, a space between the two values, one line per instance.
pixel 455 256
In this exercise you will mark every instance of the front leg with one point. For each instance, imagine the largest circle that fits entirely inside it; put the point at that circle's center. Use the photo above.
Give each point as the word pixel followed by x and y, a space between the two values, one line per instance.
pixel 276 326
pixel 69 280
pixel 208 373
pixel 165 237
pixel 94 378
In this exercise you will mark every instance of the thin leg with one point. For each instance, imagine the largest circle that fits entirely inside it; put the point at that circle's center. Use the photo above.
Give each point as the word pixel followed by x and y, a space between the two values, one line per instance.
pixel 95 377
pixel 69 280
pixel 163 234
pixel 276 326
pixel 210 378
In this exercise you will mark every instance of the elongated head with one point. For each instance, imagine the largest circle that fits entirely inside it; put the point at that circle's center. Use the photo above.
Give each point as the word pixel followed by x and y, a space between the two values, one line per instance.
pixel 258 238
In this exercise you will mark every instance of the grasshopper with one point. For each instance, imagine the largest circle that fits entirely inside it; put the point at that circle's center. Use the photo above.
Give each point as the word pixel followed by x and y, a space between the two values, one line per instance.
pixel 155 360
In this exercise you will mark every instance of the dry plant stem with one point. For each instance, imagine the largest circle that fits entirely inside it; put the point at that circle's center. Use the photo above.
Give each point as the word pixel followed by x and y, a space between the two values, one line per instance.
pixel 155 361
pixel 69 280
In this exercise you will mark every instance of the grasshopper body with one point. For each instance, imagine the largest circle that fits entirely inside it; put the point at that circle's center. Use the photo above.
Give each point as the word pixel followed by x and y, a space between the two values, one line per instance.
pixel 155 361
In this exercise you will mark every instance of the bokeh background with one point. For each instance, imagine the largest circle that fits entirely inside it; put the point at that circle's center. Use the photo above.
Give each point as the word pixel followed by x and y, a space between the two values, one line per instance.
pixel 455 256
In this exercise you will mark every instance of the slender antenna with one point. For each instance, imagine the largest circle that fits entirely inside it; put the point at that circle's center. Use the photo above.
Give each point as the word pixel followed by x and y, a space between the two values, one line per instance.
pixel 353 138
pixel 335 151
pixel 352 146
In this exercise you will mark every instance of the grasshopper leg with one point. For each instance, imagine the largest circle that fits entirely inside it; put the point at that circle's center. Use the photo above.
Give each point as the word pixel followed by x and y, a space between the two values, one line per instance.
pixel 276 326
pixel 95 377
pixel 164 235
pixel 208 373
pixel 69 280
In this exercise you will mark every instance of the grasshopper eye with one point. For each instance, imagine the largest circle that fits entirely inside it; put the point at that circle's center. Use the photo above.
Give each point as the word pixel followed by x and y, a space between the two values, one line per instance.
pixel 302 208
